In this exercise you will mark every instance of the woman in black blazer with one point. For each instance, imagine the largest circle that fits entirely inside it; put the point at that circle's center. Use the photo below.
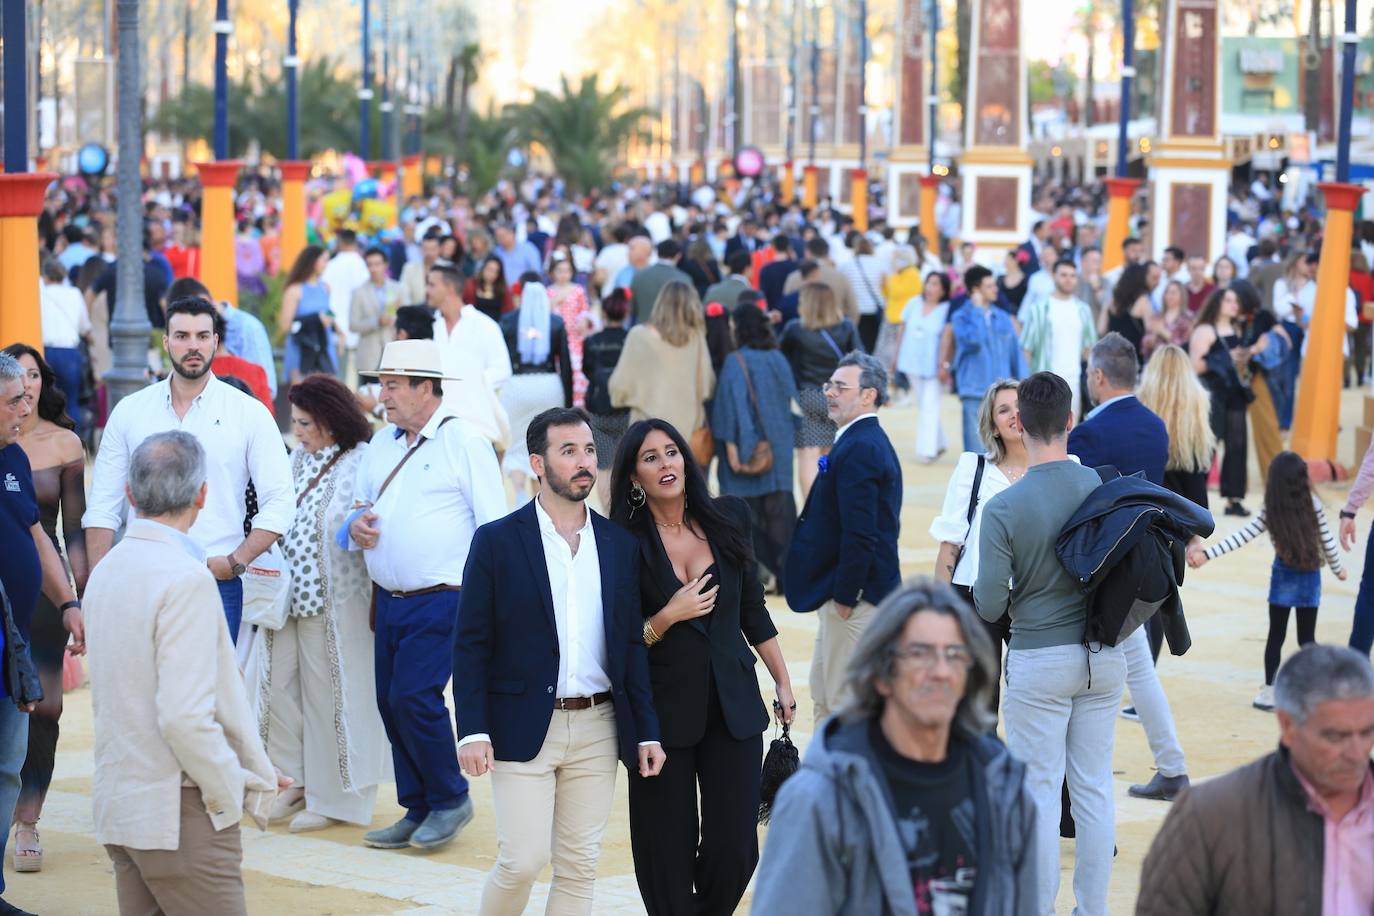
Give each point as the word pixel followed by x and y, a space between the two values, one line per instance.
pixel 703 606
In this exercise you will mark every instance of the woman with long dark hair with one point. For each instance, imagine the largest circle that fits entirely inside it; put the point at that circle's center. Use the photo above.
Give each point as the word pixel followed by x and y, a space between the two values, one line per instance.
pixel 1130 306
pixel 1217 349
pixel 48 439
pixel 487 290
pixel 703 603
pixel 305 319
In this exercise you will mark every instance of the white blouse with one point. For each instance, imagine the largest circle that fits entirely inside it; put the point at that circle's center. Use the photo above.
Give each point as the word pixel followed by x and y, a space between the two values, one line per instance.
pixel 951 525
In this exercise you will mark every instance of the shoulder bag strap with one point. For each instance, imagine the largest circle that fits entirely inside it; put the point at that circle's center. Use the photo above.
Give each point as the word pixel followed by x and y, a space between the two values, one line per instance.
pixel 977 485
pixel 315 482
pixel 830 340
pixel 753 396
pixel 402 463
pixel 868 284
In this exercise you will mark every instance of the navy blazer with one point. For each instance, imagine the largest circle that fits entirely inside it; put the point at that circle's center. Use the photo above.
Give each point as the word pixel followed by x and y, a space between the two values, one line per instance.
pixel 505 647
pixel 1126 435
pixel 845 545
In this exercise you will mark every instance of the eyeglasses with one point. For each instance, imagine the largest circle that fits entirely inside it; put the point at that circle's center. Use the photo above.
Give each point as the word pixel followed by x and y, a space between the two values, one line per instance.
pixel 924 656
pixel 828 386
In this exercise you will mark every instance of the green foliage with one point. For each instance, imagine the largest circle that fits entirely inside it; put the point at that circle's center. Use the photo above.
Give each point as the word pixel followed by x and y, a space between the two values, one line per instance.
pixel 482 151
pixel 257 111
pixel 583 128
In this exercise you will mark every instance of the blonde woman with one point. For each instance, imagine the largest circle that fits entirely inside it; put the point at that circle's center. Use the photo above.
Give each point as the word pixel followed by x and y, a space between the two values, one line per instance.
pixel 957 526
pixel 665 369
pixel 814 345
pixel 1171 389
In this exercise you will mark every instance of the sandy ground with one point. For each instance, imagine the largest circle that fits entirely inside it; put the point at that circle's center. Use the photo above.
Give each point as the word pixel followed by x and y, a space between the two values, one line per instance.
pixel 331 873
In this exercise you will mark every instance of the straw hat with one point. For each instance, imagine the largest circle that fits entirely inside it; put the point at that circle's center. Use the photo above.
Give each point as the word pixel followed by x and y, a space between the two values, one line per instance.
pixel 415 358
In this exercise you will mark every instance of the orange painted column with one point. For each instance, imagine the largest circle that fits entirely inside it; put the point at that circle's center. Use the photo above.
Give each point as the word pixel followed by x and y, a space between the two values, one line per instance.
pixel 858 198
pixel 1119 194
pixel 219 270
pixel 930 192
pixel 412 180
pixel 386 171
pixel 293 176
pixel 698 173
pixel 810 190
pixel 1317 417
pixel 788 187
pixel 21 201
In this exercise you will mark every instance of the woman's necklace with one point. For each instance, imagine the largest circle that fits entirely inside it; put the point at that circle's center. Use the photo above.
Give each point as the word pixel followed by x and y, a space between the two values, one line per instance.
pixel 1012 476
pixel 672 526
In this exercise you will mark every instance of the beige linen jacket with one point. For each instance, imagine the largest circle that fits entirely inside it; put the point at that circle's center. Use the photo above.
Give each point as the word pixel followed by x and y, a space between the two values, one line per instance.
pixel 170 706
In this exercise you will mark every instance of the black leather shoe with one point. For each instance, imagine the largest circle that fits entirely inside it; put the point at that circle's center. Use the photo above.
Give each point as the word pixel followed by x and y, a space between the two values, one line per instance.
pixel 9 909
pixel 1160 788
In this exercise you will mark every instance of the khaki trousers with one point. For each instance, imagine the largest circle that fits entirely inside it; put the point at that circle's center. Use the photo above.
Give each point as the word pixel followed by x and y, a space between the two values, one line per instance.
pixel 301 736
pixel 835 642
pixel 201 877
pixel 554 808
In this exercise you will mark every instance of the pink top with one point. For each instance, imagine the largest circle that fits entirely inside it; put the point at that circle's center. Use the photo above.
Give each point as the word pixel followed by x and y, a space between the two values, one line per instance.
pixel 1347 879
pixel 1364 483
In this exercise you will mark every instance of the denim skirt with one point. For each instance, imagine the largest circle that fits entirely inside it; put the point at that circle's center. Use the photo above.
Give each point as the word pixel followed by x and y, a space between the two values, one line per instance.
pixel 1289 587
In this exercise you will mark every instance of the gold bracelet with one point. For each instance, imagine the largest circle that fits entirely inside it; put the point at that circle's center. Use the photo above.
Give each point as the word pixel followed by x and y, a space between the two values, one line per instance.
pixel 650 634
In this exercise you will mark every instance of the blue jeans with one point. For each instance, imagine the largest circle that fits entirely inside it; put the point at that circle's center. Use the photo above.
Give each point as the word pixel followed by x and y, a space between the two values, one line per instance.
pixel 231 593
pixel 972 441
pixel 1362 629
pixel 414 663
pixel 14 747
pixel 66 365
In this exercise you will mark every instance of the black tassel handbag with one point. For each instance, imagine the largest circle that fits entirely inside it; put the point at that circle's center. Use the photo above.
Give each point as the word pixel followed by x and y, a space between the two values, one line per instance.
pixel 781 761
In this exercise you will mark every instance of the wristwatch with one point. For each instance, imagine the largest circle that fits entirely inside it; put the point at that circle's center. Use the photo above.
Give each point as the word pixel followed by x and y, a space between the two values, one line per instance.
pixel 1347 514
pixel 235 566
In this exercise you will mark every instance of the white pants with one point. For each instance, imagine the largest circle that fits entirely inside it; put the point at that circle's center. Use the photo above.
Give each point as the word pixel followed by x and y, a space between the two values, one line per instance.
pixel 554 808
pixel 930 434
pixel 1152 705
pixel 1061 726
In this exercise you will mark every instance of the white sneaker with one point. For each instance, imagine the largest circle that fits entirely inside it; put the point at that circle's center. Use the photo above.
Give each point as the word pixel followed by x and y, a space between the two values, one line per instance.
pixel 1265 700
pixel 307 821
pixel 287 803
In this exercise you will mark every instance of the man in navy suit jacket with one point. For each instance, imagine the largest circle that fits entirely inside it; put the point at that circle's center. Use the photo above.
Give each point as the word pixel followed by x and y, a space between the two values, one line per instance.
pixel 1120 430
pixel 843 558
pixel 551 676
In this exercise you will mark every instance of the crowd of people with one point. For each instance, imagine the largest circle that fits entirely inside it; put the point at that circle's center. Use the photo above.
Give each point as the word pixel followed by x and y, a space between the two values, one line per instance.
pixel 273 626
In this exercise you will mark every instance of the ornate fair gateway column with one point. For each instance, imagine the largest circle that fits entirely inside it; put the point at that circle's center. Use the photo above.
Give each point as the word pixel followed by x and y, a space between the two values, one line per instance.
pixel 910 111
pixel 995 169
pixel 1188 164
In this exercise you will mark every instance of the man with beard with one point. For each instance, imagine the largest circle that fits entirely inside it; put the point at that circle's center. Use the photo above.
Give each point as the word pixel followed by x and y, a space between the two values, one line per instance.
pixel 551 676
pixel 241 443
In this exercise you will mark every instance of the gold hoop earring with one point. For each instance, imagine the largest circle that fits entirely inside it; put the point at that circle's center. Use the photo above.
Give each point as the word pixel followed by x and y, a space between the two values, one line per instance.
pixel 636 498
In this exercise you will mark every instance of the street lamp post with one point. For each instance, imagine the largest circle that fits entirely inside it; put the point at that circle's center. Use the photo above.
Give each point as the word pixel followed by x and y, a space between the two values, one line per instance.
pixel 1120 188
pixel 736 109
pixel 16 87
pixel 365 91
pixel 934 98
pixel 291 64
pixel 129 324
pixel 223 28
pixel 386 106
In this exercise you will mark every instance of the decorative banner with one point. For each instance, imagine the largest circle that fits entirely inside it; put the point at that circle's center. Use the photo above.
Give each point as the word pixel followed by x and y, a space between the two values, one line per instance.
pixel 1194 87
pixel 997 95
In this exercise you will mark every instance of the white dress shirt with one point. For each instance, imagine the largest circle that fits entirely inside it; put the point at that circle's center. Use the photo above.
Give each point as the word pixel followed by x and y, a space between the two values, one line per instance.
pixel 64 315
pixel 241 443
pixel 575 584
pixel 841 431
pixel 344 273
pixel 428 515
pixel 475 345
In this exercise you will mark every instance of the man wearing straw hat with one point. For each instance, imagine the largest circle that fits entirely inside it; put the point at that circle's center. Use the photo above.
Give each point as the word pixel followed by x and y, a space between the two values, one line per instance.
pixel 417 506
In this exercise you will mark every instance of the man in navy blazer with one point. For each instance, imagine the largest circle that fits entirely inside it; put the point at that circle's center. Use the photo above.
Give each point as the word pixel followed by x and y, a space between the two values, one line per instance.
pixel 1120 430
pixel 551 677
pixel 843 558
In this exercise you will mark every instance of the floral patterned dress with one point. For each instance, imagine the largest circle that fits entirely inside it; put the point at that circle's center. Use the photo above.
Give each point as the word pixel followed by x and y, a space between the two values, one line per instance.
pixel 571 303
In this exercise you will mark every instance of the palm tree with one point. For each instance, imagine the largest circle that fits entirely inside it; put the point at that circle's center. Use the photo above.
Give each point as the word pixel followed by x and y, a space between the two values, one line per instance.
pixel 129 329
pixel 462 74
pixel 582 128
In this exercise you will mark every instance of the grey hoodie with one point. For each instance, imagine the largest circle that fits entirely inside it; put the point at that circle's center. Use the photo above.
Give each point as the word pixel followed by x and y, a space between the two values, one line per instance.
pixel 833 845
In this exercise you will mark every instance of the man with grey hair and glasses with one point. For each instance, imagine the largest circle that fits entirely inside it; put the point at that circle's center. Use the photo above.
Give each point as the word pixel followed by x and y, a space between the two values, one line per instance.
pixel 843 558
pixel 1292 832
pixel 178 760
pixel 907 802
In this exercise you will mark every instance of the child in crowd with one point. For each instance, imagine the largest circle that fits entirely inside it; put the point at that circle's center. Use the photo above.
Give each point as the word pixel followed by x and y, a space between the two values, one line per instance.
pixel 1296 521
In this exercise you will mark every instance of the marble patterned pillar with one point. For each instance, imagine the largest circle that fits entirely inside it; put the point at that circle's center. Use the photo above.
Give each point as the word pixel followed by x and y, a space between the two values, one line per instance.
pixel 1188 163
pixel 995 169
